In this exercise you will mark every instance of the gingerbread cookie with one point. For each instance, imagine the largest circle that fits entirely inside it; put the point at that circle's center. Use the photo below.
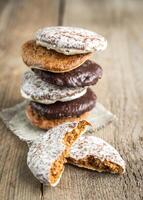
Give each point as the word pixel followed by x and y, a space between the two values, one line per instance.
pixel 85 75
pixel 35 89
pixel 94 153
pixel 40 57
pixel 65 109
pixel 45 123
pixel 46 156
pixel 48 116
pixel 70 40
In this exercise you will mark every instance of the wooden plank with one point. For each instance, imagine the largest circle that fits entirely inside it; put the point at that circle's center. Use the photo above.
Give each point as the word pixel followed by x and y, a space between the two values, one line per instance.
pixel 18 21
pixel 61 12
pixel 120 90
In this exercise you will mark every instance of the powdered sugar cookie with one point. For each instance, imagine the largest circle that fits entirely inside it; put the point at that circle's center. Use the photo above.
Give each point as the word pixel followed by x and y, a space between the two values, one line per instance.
pixel 46 156
pixel 40 57
pixel 35 89
pixel 70 40
pixel 94 153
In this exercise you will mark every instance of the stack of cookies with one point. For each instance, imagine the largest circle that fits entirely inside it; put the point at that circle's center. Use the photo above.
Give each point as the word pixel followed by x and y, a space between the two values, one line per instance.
pixel 57 87
pixel 60 73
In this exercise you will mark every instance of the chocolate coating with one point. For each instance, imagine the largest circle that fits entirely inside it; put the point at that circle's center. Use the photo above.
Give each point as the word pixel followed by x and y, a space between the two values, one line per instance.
pixel 72 108
pixel 86 74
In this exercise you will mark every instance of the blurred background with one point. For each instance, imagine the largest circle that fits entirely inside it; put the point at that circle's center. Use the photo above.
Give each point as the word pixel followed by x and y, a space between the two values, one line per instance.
pixel 120 90
pixel 118 20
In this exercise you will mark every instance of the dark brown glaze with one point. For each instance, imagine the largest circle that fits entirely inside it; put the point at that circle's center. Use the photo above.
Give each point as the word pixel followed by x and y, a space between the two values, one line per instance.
pixel 86 74
pixel 72 108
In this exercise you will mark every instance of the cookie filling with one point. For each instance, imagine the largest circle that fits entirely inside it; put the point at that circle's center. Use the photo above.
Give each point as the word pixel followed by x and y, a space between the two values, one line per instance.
pixel 93 163
pixel 57 169
pixel 69 138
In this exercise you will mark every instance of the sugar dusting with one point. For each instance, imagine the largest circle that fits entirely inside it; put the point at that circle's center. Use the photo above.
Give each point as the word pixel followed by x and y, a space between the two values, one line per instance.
pixel 90 145
pixel 46 149
pixel 35 89
pixel 70 40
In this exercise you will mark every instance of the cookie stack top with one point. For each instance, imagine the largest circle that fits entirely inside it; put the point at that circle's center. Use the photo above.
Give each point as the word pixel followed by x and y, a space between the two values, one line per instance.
pixel 61 71
pixel 70 40
pixel 77 43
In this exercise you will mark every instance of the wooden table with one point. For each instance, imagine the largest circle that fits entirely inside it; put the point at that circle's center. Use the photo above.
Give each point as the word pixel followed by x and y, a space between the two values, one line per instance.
pixel 120 90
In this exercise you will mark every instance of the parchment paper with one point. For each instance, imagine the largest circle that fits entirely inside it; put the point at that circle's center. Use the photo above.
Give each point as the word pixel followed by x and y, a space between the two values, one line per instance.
pixel 15 119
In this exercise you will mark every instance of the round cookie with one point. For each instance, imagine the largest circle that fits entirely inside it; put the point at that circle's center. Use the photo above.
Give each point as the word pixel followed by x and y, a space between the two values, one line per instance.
pixel 85 75
pixel 59 110
pixel 70 40
pixel 94 153
pixel 40 57
pixel 44 123
pixel 35 89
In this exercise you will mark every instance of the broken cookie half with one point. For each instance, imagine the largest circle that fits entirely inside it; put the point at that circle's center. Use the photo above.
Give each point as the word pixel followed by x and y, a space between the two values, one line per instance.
pixel 46 156
pixel 94 153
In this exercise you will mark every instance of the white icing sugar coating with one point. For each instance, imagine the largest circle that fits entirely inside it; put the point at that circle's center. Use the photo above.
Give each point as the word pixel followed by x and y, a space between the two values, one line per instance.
pixel 45 150
pixel 35 89
pixel 70 40
pixel 89 145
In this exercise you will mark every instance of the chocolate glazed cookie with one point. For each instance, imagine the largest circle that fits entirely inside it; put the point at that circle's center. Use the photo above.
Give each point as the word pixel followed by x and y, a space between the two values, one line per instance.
pixel 86 74
pixel 73 108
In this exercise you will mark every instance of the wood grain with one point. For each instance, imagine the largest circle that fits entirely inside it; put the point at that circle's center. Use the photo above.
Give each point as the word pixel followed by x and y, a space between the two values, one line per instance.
pixel 18 21
pixel 120 90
